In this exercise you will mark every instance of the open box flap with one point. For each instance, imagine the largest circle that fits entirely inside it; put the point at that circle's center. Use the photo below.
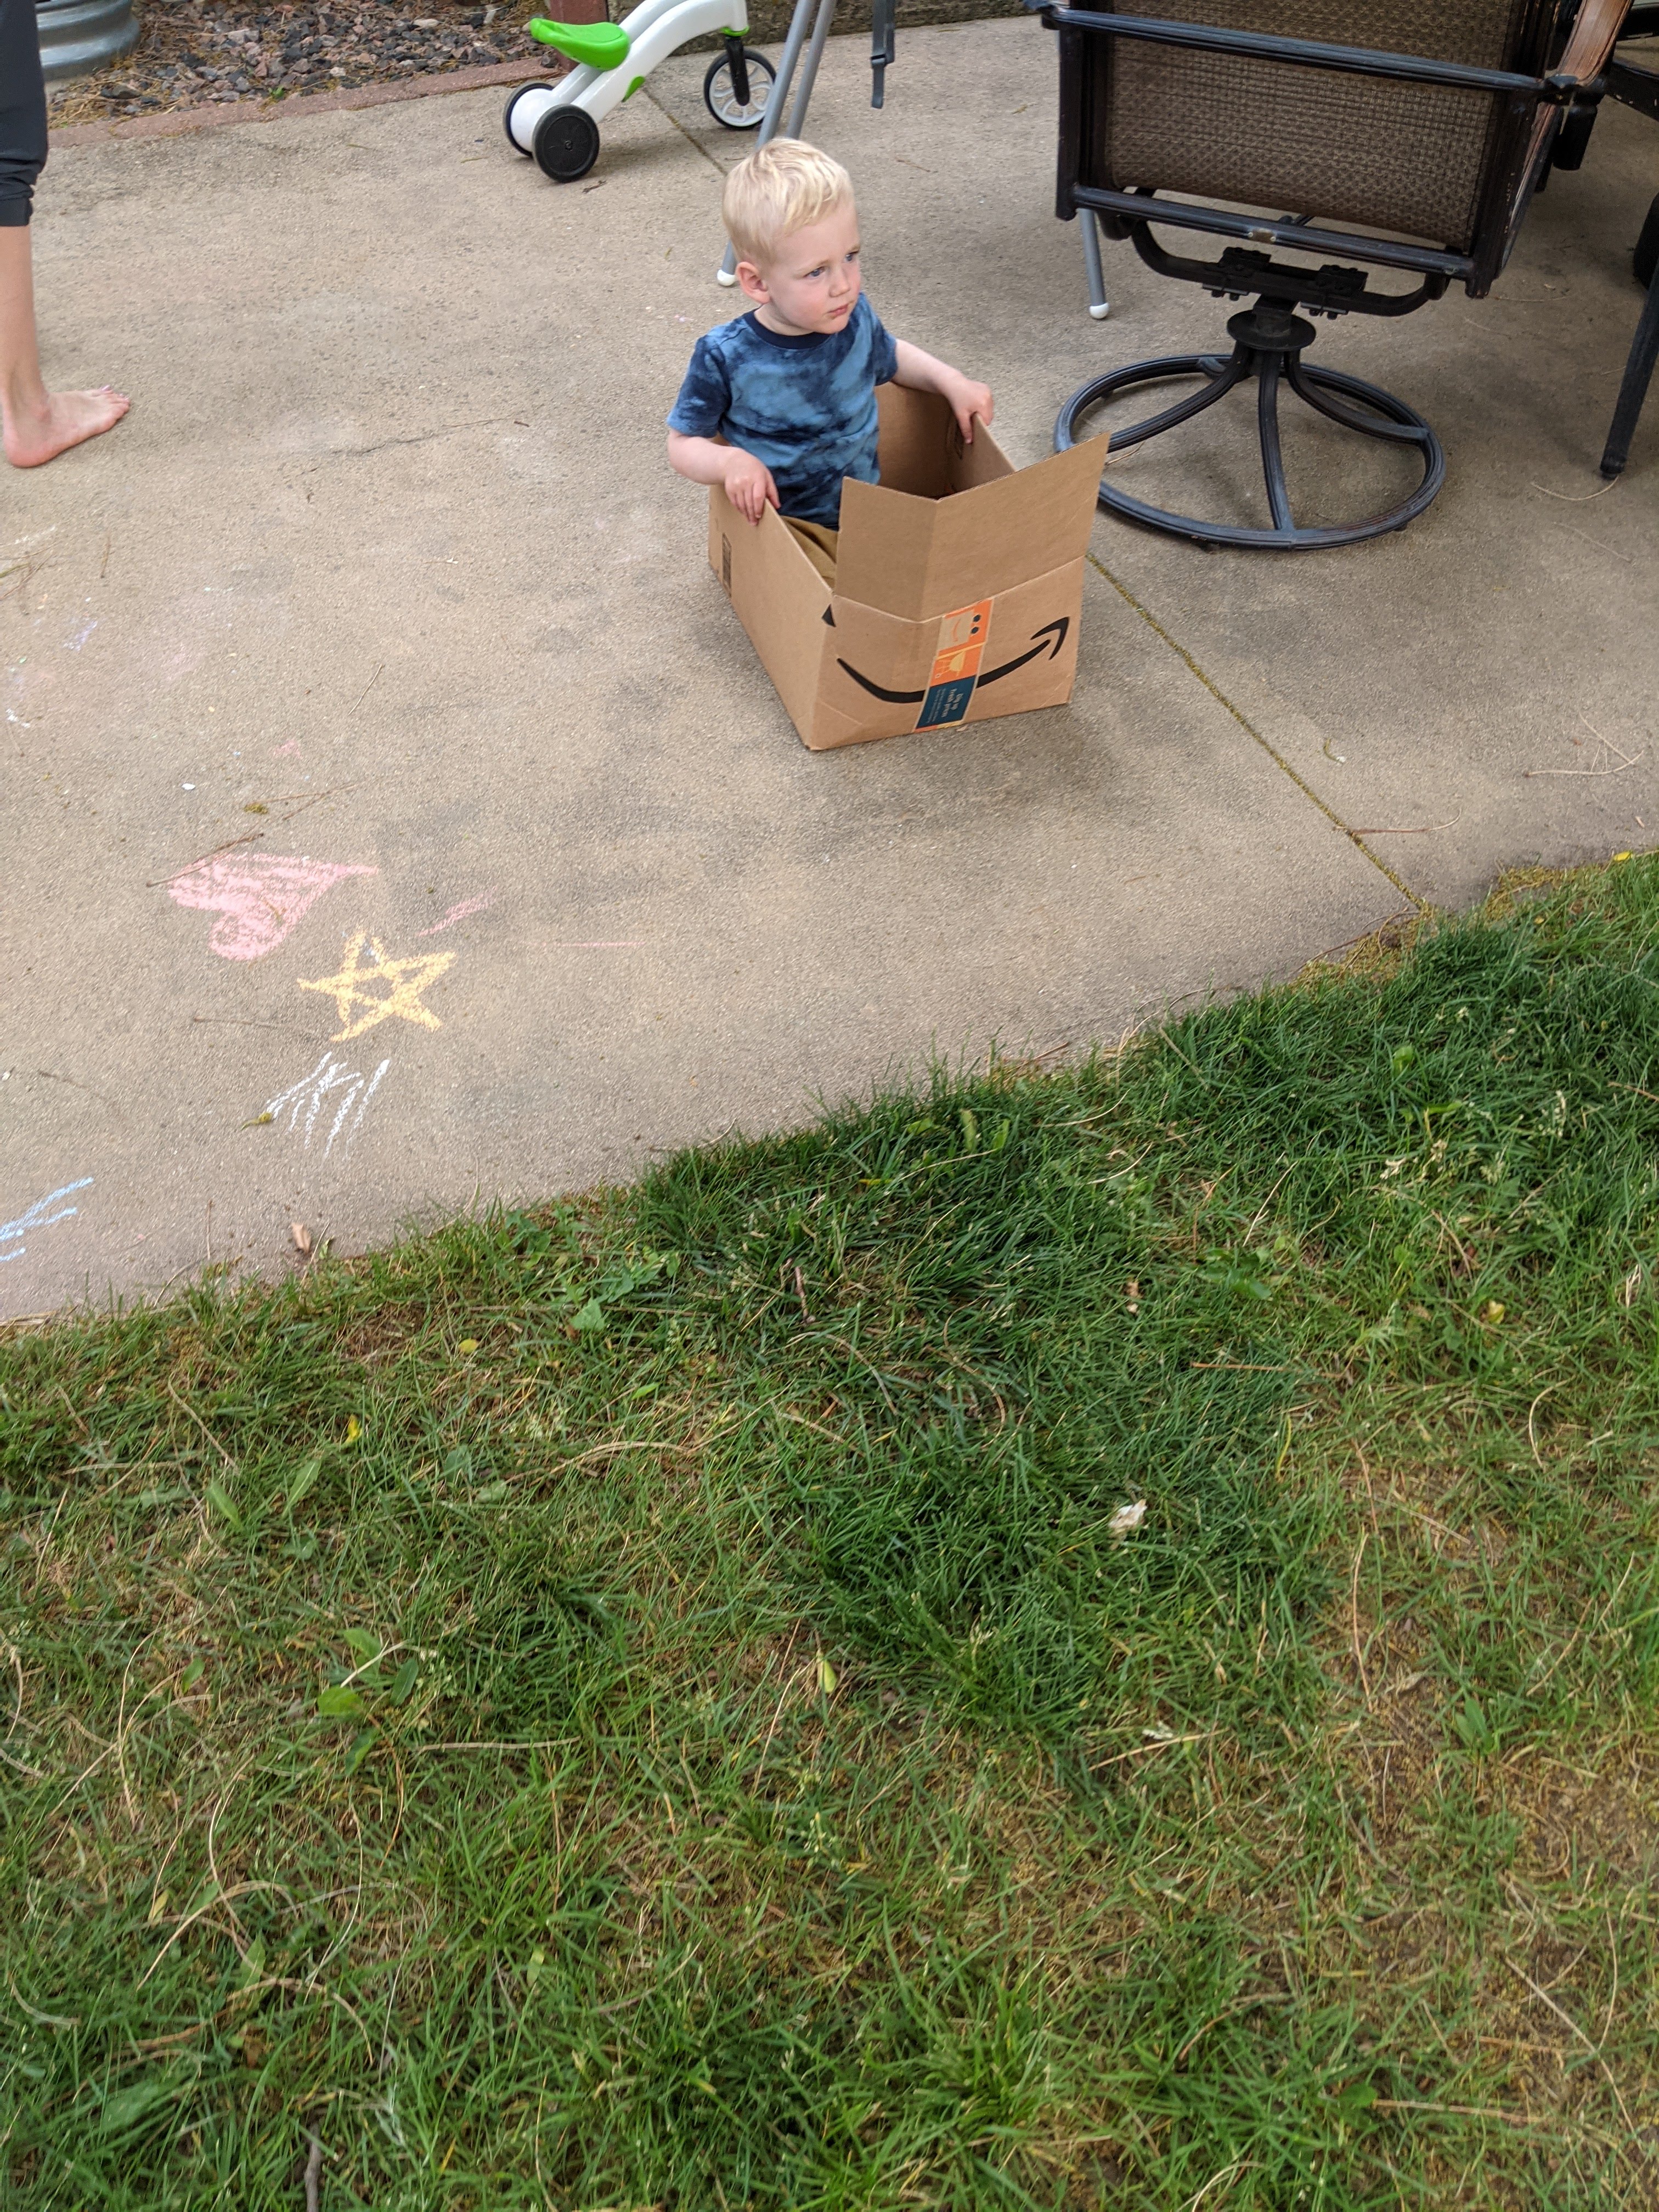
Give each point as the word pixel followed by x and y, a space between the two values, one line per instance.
pixel 781 598
pixel 917 557
pixel 922 450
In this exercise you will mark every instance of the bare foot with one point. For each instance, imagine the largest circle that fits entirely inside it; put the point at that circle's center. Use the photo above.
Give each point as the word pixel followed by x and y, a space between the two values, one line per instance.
pixel 70 418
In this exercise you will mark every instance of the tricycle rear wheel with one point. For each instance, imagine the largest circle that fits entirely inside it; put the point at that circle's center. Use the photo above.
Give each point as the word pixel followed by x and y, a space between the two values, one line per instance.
pixel 540 84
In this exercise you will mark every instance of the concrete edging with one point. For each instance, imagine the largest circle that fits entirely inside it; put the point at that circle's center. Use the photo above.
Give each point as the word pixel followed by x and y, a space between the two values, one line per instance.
pixel 176 121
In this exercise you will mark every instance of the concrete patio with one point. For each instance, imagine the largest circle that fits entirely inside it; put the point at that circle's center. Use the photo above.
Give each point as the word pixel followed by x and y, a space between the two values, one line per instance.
pixel 386 574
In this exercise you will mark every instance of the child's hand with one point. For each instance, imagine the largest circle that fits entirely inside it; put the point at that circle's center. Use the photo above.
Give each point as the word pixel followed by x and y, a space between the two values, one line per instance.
pixel 748 484
pixel 968 399
pixel 965 398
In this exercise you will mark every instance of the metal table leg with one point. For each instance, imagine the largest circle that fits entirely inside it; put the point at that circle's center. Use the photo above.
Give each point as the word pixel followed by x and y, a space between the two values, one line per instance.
pixel 727 273
pixel 1099 306
pixel 1638 373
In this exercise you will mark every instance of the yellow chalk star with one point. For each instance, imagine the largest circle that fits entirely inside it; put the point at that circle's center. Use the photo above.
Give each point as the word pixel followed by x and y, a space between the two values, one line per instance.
pixel 406 980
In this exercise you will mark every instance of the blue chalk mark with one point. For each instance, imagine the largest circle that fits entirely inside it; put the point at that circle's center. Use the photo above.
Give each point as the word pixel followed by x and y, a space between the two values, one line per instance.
pixel 38 1218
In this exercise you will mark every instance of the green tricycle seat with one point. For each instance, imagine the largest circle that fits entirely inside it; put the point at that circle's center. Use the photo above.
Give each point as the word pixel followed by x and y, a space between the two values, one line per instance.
pixel 595 46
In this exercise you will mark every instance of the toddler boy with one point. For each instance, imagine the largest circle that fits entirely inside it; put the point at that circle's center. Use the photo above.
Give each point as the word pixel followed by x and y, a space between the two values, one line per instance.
pixel 780 404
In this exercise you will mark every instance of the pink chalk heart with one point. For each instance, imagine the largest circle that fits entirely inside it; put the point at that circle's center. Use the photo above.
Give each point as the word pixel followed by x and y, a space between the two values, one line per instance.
pixel 259 898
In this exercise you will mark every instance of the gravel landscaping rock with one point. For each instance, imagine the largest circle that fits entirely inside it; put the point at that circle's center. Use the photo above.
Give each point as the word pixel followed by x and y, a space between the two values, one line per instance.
pixel 195 51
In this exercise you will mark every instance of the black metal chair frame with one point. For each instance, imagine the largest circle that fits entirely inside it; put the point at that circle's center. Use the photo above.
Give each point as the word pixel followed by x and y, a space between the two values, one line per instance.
pixel 1269 338
pixel 1636 87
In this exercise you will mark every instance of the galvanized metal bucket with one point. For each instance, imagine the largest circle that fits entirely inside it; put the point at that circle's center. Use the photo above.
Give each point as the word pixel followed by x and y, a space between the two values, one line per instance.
pixel 78 35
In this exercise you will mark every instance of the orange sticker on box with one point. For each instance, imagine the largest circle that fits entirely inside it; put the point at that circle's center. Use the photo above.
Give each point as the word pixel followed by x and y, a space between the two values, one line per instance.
pixel 962 637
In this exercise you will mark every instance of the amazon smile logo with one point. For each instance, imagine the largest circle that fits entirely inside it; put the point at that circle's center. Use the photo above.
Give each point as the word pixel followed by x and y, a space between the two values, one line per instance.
pixel 1049 639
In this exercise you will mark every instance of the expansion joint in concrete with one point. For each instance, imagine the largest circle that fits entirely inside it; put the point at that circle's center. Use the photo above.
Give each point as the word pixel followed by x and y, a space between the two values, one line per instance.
pixel 1251 730
pixel 695 144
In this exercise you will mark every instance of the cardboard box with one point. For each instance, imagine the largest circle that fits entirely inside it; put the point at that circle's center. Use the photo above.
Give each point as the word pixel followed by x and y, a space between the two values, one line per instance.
pixel 958 584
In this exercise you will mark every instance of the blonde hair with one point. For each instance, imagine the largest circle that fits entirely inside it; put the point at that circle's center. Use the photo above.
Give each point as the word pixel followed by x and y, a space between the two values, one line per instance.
pixel 778 190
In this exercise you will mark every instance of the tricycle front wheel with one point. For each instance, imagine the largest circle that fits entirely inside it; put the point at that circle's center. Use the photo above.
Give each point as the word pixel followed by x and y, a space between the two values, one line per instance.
pixel 720 93
pixel 566 144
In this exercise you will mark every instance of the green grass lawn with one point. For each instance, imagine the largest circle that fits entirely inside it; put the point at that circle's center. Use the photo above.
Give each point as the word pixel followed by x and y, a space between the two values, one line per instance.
pixel 655 1703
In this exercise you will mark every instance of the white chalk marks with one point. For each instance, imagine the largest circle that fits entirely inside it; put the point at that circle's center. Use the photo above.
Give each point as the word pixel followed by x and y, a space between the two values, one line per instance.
pixel 38 1216
pixel 309 1094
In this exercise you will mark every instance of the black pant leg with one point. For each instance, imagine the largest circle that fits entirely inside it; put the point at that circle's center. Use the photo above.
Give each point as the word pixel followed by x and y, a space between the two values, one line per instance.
pixel 22 111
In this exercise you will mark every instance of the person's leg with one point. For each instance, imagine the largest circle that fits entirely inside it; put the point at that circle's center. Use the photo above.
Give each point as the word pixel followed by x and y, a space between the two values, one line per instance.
pixel 38 424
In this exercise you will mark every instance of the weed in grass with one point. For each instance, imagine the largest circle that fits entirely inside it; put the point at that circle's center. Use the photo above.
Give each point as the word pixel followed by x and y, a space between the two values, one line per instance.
pixel 656 1702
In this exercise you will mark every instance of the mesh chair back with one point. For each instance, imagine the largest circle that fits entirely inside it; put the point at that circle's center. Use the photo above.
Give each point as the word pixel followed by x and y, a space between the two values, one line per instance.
pixel 1410 159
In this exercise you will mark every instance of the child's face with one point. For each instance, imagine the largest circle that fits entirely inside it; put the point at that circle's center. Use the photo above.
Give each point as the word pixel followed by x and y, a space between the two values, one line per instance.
pixel 813 284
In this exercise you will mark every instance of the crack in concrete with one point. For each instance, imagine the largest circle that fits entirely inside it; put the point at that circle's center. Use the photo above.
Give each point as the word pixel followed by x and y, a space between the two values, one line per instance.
pixel 384 445
pixel 51 1075
pixel 1249 729
pixel 696 144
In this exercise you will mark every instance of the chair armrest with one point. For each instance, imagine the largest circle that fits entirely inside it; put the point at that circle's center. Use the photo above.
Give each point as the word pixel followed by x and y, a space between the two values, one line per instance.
pixel 1588 50
pixel 1593 36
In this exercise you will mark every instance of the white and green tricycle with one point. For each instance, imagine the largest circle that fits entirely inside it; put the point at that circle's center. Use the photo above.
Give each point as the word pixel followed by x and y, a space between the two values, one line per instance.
pixel 558 125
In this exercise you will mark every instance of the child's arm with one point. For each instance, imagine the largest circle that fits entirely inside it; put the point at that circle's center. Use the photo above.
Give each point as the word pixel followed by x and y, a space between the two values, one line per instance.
pixel 747 482
pixel 921 372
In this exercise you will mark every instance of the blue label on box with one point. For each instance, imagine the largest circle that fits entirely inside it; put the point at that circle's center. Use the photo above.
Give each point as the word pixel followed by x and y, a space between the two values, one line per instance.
pixel 946 703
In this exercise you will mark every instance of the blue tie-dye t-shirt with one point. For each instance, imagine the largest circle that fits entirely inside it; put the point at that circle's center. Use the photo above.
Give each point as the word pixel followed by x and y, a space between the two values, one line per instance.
pixel 805 406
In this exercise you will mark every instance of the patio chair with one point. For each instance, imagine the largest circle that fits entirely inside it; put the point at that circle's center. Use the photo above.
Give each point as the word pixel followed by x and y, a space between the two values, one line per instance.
pixel 1407 135
pixel 1636 83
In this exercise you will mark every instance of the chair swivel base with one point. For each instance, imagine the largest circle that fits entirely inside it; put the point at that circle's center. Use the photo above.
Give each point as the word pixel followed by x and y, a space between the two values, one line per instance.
pixel 1269 342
